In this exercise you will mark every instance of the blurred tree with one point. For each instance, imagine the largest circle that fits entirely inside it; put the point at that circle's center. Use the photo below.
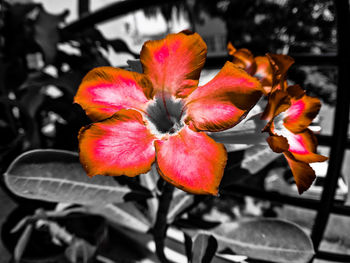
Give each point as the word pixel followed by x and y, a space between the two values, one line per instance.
pixel 281 26
pixel 275 25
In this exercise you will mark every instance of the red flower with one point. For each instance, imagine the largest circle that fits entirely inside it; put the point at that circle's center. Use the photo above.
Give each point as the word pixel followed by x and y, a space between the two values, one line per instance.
pixel 160 115
pixel 289 112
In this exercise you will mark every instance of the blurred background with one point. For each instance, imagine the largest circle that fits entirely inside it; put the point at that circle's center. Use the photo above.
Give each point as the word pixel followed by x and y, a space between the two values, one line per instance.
pixel 44 55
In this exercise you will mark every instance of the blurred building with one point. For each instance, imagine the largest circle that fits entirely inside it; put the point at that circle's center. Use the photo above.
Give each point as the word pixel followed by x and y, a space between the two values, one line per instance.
pixel 214 33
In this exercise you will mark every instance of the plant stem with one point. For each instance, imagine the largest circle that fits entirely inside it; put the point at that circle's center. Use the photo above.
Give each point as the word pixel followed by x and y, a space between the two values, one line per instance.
pixel 160 226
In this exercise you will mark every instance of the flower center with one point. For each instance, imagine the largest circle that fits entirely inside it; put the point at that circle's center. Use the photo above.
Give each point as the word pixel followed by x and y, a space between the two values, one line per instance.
pixel 165 115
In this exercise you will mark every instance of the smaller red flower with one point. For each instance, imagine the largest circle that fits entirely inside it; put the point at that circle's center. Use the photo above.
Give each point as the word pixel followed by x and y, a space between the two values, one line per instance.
pixel 288 113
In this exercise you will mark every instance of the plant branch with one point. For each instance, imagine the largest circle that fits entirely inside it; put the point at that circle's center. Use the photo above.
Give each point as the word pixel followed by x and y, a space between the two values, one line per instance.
pixel 160 226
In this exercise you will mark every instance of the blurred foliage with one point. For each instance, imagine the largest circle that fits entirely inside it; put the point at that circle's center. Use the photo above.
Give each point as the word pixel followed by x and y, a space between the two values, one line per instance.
pixel 279 26
pixel 306 26
pixel 41 68
pixel 283 26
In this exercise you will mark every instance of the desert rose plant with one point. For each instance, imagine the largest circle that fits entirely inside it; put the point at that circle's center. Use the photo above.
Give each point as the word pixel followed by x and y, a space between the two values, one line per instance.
pixel 172 137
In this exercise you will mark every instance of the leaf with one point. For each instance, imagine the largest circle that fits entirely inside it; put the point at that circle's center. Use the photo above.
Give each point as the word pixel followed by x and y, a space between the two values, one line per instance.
pixel 22 242
pixel 257 157
pixel 126 215
pixel 204 248
pixel 57 176
pixel 46 33
pixel 272 240
pixel 232 258
pixel 181 200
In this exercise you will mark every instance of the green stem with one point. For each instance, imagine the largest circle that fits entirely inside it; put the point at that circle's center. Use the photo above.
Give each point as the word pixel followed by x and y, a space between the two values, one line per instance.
pixel 160 226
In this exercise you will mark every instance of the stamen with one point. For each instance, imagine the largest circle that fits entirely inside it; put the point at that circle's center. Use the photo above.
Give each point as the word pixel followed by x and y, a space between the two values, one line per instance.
pixel 165 115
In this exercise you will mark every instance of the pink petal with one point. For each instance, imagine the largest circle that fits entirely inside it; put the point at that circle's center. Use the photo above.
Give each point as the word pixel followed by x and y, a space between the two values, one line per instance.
pixel 191 161
pixel 303 146
pixel 174 63
pixel 224 101
pixel 120 145
pixel 106 90
pixel 301 113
